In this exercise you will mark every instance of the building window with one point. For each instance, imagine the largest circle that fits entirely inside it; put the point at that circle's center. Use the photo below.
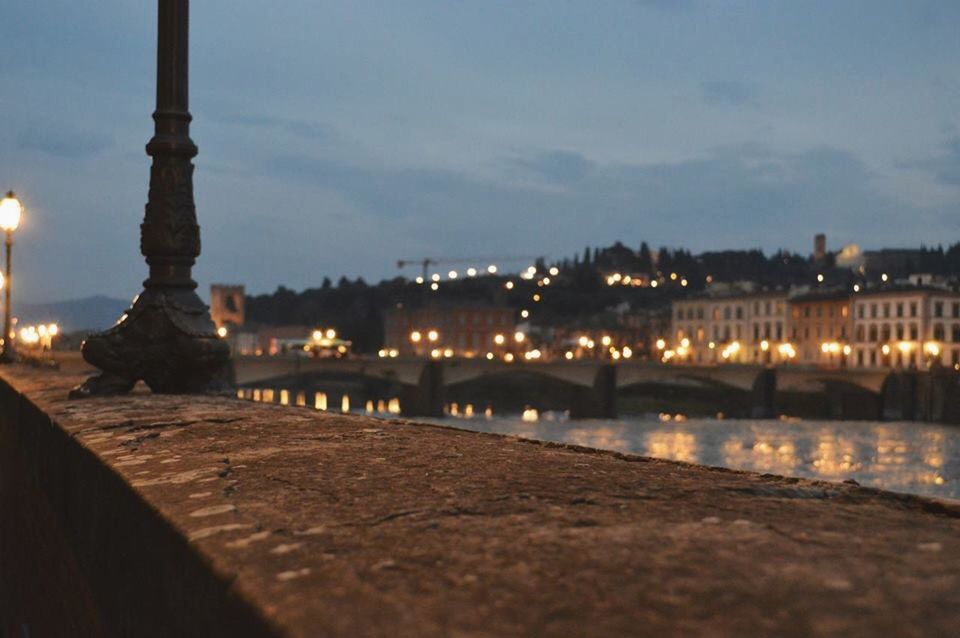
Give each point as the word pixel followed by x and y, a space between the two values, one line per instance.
pixel 873 333
pixel 885 332
pixel 860 333
pixel 938 309
pixel 938 332
pixel 899 331
pixel 886 311
pixel 860 312
pixel 873 311
pixel 956 310
pixel 914 332
pixel 956 333
pixel 913 308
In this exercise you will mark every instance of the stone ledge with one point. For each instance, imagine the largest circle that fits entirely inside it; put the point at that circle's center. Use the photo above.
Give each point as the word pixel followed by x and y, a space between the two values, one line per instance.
pixel 159 515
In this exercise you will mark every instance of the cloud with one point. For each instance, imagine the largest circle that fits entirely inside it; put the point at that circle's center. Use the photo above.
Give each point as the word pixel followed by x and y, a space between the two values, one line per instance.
pixel 61 142
pixel 728 93
pixel 739 196
pixel 295 127
pixel 666 5
pixel 946 167
pixel 555 166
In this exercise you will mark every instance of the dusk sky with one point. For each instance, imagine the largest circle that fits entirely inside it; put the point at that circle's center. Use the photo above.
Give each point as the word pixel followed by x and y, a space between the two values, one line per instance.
pixel 338 137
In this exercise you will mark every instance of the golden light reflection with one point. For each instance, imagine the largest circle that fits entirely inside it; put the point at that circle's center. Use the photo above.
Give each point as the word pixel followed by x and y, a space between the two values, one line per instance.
pixel 676 446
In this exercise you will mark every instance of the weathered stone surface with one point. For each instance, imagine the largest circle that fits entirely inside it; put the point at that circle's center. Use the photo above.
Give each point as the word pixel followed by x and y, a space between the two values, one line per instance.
pixel 347 526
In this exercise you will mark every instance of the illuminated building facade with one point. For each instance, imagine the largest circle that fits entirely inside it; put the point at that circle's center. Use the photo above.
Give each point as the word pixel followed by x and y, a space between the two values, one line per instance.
pixel 908 327
pixel 744 328
pixel 820 327
pixel 462 331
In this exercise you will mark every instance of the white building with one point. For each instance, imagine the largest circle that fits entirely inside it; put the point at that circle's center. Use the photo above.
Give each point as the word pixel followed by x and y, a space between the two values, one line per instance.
pixel 909 327
pixel 744 328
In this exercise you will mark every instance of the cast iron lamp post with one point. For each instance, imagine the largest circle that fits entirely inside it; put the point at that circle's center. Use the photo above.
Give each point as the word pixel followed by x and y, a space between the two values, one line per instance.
pixel 10 211
pixel 166 338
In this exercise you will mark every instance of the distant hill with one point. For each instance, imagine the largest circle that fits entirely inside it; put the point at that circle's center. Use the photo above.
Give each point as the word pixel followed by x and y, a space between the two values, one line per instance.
pixel 87 314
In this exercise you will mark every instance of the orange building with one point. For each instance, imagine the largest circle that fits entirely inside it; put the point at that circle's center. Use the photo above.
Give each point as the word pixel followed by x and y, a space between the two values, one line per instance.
pixel 820 327
pixel 451 330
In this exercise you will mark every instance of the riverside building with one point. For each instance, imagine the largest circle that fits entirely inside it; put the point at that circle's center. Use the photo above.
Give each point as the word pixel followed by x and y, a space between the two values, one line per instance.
pixel 737 328
pixel 820 327
pixel 446 331
pixel 906 327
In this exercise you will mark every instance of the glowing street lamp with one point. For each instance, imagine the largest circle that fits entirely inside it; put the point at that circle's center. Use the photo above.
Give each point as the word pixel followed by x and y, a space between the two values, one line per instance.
pixel 10 211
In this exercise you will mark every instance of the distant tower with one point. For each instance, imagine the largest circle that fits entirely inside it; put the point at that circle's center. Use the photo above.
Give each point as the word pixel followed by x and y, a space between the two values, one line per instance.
pixel 819 247
pixel 226 305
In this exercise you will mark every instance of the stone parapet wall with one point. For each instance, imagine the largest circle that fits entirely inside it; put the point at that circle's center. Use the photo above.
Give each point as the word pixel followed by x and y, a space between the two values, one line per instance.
pixel 188 516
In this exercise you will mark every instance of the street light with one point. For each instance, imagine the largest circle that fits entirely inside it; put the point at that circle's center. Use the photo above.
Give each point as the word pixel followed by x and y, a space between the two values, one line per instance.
pixel 10 211
pixel 166 338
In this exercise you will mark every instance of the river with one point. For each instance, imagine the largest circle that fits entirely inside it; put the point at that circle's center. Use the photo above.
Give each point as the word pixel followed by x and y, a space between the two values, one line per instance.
pixel 916 458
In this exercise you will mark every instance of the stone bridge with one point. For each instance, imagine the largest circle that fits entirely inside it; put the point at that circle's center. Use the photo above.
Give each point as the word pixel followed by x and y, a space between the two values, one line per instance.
pixel 859 393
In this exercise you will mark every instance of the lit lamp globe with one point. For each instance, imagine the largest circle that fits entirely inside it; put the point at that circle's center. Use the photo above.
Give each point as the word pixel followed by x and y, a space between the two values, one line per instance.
pixel 10 211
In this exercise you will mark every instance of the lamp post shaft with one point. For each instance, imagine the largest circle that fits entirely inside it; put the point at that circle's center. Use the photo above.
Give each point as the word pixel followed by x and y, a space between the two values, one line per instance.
pixel 169 235
pixel 166 338
pixel 7 319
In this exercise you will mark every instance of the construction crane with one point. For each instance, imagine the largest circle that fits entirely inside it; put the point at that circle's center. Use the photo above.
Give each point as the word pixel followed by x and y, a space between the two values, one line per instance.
pixel 426 262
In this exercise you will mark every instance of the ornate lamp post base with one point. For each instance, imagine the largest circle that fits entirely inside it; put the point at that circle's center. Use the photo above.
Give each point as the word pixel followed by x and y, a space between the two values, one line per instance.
pixel 166 339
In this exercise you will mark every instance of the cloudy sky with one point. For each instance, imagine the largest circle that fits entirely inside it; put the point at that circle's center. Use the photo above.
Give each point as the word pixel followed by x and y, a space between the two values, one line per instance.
pixel 339 136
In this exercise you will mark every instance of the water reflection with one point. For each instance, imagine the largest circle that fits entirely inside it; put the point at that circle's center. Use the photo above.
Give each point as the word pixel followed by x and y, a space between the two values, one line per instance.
pixel 904 457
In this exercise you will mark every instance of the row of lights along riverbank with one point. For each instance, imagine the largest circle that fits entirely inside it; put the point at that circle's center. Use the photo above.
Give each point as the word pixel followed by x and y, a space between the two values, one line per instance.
pixel 787 351
pixel 513 347
pixel 390 406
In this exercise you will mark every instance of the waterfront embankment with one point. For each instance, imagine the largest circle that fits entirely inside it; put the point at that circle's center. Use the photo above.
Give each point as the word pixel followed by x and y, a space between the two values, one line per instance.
pixel 179 515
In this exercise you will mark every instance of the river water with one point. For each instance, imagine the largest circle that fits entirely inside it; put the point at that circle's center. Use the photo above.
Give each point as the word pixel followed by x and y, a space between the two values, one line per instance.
pixel 916 458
